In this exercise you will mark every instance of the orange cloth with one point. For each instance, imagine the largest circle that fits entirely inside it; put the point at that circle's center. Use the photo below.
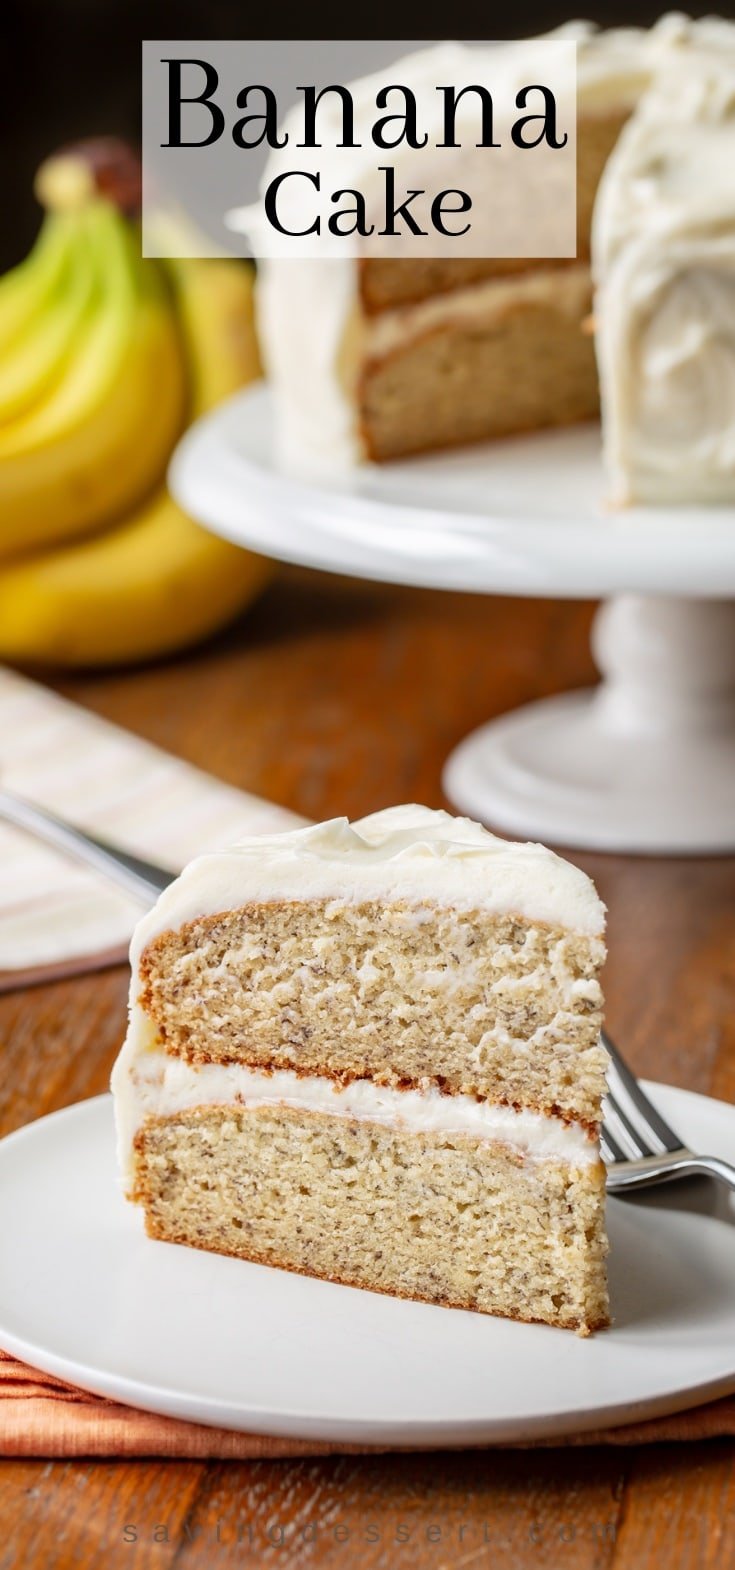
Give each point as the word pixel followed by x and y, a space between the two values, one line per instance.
pixel 40 1416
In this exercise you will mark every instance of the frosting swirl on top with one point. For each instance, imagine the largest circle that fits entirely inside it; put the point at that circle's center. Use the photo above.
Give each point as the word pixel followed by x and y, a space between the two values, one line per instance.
pixel 407 853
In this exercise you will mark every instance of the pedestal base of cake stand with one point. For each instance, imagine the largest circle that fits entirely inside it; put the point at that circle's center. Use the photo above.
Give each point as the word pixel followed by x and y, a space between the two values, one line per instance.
pixel 645 762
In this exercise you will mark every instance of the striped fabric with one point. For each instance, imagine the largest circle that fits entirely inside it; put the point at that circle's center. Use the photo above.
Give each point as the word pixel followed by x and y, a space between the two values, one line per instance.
pixel 54 912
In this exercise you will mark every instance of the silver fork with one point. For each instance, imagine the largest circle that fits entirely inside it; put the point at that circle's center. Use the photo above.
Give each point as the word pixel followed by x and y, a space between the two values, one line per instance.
pixel 138 877
pixel 639 1147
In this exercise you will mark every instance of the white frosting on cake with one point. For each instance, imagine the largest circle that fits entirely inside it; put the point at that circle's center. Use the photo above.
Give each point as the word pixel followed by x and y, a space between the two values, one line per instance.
pixel 306 307
pixel 409 853
pixel 664 260
pixel 617 64
pixel 151 1083
pixel 303 308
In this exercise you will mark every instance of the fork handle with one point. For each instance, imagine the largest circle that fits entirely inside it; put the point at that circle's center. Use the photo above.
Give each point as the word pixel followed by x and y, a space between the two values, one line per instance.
pixel 651 1170
pixel 144 880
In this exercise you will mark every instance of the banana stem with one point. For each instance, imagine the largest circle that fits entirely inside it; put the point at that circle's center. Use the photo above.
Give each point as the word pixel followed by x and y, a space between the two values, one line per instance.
pixel 102 166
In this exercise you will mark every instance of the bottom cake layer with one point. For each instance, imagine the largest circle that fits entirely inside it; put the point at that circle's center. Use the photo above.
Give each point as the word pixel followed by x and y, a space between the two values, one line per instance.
pixel 455 1220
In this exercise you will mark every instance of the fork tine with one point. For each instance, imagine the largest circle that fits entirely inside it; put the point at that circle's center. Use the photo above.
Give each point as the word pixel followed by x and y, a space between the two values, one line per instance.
pixel 638 1143
pixel 611 1150
pixel 652 1120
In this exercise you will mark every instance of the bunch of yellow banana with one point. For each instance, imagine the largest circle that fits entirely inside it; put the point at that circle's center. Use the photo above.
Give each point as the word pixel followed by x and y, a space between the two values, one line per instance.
pixel 103 359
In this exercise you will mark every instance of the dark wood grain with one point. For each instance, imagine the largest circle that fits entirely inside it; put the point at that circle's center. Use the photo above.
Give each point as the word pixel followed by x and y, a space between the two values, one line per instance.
pixel 342 697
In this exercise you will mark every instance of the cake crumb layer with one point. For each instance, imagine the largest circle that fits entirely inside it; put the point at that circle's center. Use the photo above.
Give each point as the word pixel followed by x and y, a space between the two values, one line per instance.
pixel 495 1007
pixel 447 1219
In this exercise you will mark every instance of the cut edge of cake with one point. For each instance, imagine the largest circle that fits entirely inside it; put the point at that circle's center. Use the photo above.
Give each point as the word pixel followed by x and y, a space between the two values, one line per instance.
pixel 347 1057
pixel 483 372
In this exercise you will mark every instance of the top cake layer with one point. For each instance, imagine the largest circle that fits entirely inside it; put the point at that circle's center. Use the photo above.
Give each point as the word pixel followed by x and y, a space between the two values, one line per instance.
pixel 411 949
pixel 409 853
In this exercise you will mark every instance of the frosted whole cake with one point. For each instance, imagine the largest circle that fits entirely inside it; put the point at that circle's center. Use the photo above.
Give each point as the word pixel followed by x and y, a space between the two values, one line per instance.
pixel 370 1052
pixel 664 259
pixel 372 358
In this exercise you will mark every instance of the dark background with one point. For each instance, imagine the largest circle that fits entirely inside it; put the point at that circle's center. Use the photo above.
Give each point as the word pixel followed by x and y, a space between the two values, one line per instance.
pixel 72 67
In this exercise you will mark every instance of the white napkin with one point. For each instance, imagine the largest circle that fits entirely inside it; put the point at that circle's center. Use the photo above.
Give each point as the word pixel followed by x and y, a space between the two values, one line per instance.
pixel 110 782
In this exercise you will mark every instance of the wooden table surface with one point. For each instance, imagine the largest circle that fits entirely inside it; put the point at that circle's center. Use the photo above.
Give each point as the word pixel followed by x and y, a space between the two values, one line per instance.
pixel 342 697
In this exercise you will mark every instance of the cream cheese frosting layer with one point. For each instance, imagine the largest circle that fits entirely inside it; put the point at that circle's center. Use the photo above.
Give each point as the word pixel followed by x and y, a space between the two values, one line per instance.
pixel 567 289
pixel 409 854
pixel 615 65
pixel 664 261
pixel 154 1084
pixel 304 309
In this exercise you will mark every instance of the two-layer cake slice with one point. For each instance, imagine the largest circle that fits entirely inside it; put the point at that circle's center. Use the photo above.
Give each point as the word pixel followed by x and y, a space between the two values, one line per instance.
pixel 371 1053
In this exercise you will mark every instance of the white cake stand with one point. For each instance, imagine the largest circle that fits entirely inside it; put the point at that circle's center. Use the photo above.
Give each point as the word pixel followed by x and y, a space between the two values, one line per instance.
pixel 643 763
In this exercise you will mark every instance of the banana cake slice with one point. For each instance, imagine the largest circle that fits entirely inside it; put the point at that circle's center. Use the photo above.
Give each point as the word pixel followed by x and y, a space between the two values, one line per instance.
pixel 371 1052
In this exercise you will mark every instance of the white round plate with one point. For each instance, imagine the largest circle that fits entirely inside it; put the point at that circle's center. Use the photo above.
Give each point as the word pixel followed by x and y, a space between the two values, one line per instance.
pixel 517 517
pixel 85 1295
